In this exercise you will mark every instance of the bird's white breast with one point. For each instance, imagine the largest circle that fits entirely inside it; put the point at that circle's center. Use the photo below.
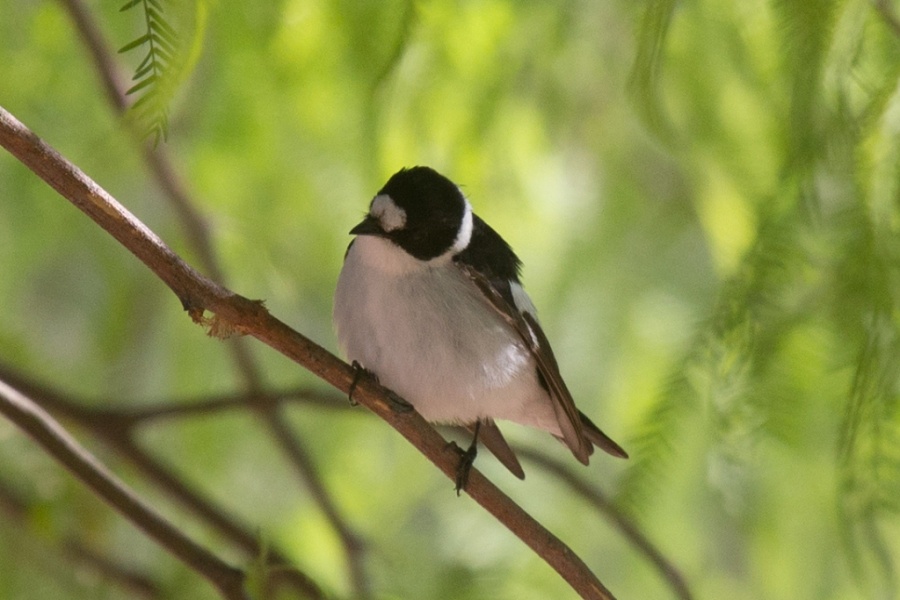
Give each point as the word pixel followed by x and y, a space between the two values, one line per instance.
pixel 427 334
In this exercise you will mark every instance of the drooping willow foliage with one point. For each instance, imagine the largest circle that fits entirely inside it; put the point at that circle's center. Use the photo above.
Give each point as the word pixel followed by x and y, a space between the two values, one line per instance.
pixel 790 116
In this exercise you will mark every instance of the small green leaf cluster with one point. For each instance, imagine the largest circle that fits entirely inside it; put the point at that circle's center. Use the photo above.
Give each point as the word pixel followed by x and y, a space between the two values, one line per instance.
pixel 153 77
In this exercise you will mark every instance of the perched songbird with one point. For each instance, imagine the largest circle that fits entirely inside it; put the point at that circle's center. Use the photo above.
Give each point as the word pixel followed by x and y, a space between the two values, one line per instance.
pixel 429 301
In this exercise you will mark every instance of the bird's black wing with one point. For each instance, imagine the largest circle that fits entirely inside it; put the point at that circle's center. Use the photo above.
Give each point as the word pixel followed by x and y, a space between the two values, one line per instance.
pixel 490 255
pixel 479 261
pixel 566 414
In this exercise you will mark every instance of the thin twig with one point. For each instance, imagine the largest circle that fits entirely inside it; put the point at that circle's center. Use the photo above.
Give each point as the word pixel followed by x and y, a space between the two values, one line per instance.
pixel 628 528
pixel 149 414
pixel 111 79
pixel 137 584
pixel 235 314
pixel 174 190
pixel 17 509
pixel 353 544
pixel 197 233
pixel 115 430
pixel 57 442
pixel 887 13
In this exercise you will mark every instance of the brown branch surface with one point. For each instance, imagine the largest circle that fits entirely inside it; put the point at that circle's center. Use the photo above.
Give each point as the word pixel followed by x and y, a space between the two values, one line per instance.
pixel 887 13
pixel 57 442
pixel 141 416
pixel 629 529
pixel 236 314
pixel 197 233
pixel 116 429
pixel 18 509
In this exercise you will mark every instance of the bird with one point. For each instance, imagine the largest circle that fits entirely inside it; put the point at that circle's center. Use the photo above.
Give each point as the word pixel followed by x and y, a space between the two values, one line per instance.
pixel 429 301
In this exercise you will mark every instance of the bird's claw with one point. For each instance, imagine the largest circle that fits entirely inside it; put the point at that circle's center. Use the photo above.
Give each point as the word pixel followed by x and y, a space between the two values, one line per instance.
pixel 396 403
pixel 464 466
pixel 358 372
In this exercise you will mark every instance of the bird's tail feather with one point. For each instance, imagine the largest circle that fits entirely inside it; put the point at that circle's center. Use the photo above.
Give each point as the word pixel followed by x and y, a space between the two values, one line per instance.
pixel 596 436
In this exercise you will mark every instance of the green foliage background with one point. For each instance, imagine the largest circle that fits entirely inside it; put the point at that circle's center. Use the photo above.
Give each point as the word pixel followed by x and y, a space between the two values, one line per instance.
pixel 705 196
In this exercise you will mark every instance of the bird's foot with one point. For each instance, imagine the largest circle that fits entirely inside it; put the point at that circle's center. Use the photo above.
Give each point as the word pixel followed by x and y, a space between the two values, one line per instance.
pixel 358 372
pixel 466 460
pixel 396 403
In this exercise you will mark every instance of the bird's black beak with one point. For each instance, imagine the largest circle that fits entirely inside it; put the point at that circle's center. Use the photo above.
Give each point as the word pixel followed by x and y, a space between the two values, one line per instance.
pixel 368 226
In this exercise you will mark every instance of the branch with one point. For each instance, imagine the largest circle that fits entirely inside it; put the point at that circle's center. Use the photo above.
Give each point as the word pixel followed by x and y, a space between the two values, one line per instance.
pixel 352 543
pixel 112 80
pixel 49 434
pixel 626 526
pixel 174 190
pixel 145 415
pixel 197 233
pixel 142 416
pixel 18 509
pixel 115 429
pixel 236 314
pixel 887 13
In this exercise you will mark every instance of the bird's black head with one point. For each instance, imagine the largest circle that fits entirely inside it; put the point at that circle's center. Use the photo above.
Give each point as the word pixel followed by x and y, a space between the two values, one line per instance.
pixel 421 211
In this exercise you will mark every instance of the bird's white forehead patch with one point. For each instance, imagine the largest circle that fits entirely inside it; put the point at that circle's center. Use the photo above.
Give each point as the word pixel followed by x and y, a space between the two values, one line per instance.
pixel 391 216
